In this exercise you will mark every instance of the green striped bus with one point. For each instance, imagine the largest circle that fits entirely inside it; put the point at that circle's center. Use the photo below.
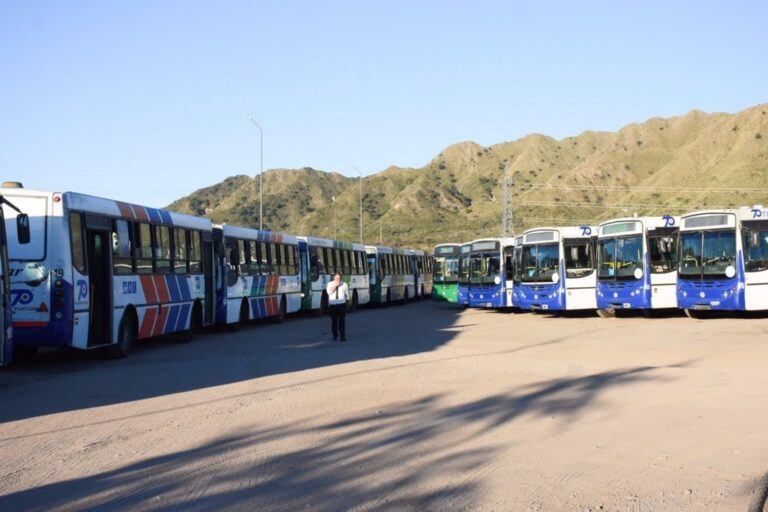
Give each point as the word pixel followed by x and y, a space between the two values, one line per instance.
pixel 446 272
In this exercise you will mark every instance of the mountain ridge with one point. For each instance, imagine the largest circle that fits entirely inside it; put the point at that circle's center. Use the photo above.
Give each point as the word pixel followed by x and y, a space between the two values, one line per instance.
pixel 661 165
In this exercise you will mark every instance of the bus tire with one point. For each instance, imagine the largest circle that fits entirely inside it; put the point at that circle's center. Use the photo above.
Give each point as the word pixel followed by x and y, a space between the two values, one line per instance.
pixel 280 316
pixel 606 313
pixel 692 313
pixel 242 318
pixel 405 296
pixel 24 354
pixel 126 335
pixel 389 295
pixel 353 304
pixel 195 322
pixel 324 304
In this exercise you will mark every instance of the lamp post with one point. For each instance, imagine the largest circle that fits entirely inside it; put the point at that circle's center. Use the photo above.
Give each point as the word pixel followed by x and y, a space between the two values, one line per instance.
pixel 333 207
pixel 360 181
pixel 261 171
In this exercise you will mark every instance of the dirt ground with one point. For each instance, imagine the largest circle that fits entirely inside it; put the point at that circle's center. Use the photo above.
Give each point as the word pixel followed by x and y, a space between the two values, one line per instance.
pixel 426 407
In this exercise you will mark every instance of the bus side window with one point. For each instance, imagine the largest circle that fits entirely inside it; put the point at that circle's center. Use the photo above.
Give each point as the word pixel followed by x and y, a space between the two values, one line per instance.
pixel 121 247
pixel 253 258
pixel 280 266
pixel 242 257
pixel 328 255
pixel 315 261
pixel 76 239
pixel 195 258
pixel 291 257
pixel 162 248
pixel 358 263
pixel 273 263
pixel 283 255
pixel 142 249
pixel 180 255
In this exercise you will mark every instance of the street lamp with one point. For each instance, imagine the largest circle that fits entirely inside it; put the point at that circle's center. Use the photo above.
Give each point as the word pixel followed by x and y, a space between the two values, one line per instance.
pixel 360 181
pixel 261 171
pixel 333 207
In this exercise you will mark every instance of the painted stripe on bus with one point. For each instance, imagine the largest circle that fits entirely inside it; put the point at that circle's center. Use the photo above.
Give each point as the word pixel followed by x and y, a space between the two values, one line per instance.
pixel 162 290
pixel 166 217
pixel 148 323
pixel 173 317
pixel 184 287
pixel 148 285
pixel 183 316
pixel 125 210
pixel 173 287
pixel 160 322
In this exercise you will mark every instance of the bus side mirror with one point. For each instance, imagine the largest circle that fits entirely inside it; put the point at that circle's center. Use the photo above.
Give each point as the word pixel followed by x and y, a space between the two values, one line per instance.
pixel 22 228
pixel 574 253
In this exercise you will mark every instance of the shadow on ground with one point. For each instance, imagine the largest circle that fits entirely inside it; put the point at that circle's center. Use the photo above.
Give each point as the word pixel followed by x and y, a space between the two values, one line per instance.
pixel 402 456
pixel 59 380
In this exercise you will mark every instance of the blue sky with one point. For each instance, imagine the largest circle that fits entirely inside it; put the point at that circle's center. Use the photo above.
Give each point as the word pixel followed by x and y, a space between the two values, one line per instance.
pixel 146 101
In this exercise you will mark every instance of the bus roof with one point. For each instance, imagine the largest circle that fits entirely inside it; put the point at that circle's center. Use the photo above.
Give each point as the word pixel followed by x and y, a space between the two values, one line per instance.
pixel 113 208
pixel 627 225
pixel 335 244
pixel 375 249
pixel 538 235
pixel 757 212
pixel 255 234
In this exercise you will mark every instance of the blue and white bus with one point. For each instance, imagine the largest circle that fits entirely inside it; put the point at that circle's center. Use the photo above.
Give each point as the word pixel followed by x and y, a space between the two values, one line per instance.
pixel 516 272
pixel 558 269
pixel 487 279
pixel 462 288
pixel 508 249
pixel 18 227
pixel 259 275
pixel 637 263
pixel 723 260
pixel 422 273
pixel 321 258
pixel 100 273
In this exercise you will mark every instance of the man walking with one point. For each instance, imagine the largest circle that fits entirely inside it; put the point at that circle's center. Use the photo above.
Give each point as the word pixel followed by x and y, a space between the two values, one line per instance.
pixel 338 295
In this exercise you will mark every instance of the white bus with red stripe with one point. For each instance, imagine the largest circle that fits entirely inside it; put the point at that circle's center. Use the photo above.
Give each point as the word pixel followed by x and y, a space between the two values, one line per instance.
pixel 100 273
pixel 260 275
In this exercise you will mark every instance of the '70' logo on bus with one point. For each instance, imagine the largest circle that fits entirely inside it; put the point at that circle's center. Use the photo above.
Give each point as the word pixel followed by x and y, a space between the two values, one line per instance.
pixel 669 221
pixel 585 230
pixel 757 213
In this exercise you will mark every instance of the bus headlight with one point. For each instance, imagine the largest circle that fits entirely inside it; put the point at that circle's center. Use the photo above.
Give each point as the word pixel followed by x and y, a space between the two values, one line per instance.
pixel 730 271
pixel 638 273
pixel 497 280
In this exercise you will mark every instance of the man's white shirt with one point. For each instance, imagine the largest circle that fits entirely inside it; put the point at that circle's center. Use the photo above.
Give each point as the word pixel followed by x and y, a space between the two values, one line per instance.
pixel 338 296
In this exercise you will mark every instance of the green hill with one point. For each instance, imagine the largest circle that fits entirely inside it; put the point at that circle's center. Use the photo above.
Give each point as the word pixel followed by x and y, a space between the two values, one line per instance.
pixel 668 165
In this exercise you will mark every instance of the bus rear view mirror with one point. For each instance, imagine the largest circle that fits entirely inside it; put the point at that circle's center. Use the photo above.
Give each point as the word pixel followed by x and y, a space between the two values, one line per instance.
pixel 574 253
pixel 22 228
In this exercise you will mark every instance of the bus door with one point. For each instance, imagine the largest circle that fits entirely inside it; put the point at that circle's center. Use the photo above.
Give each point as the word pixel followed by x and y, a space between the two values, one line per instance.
pixel 209 265
pixel 99 276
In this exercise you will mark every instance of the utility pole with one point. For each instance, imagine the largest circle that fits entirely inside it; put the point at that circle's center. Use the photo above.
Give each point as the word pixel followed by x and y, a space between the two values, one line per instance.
pixel 380 237
pixel 360 181
pixel 333 207
pixel 507 226
pixel 261 171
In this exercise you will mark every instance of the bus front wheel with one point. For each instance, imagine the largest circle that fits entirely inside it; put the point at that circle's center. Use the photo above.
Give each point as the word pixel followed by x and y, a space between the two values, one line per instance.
pixel 353 305
pixel 125 337
pixel 278 319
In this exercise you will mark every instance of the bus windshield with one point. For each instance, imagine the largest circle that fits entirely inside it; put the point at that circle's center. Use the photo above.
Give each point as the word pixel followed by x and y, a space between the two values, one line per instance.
pixel 539 262
pixel 707 254
pixel 446 269
pixel 662 251
pixel 484 267
pixel 464 268
pixel 755 242
pixel 619 257
pixel 578 258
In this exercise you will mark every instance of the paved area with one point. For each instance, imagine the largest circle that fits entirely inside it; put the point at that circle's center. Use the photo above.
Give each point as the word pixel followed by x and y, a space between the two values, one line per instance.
pixel 427 407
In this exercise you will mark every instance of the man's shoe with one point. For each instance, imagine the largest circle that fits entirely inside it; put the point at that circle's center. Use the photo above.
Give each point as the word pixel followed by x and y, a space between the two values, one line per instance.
pixel 343 338
pixel 335 338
